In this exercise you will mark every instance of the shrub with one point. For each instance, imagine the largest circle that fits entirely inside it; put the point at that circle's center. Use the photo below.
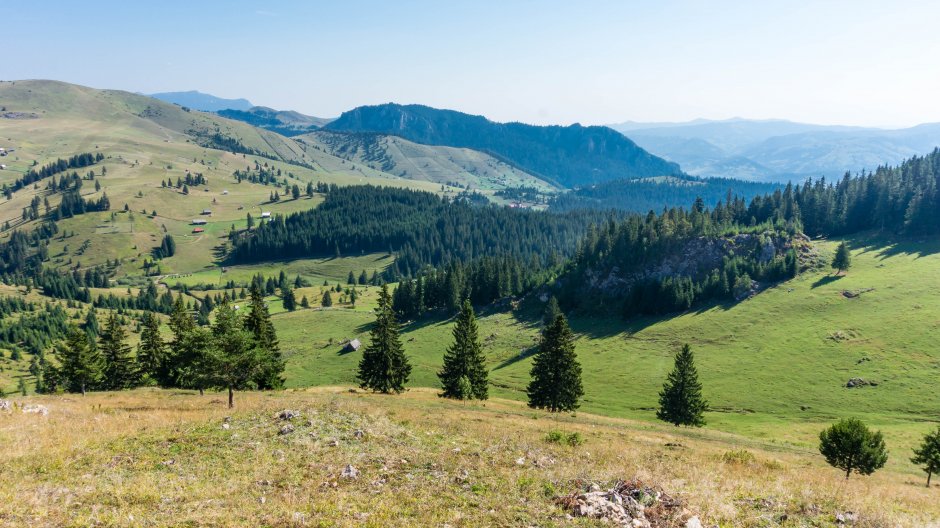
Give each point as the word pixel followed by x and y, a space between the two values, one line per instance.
pixel 560 437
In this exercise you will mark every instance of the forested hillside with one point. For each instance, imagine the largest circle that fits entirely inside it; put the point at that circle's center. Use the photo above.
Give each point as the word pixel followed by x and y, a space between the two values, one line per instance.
pixel 654 194
pixel 569 156
pixel 725 248
pixel 420 228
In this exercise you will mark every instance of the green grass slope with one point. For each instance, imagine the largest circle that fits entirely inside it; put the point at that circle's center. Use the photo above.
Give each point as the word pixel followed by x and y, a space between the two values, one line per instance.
pixel 439 164
pixel 146 142
pixel 774 366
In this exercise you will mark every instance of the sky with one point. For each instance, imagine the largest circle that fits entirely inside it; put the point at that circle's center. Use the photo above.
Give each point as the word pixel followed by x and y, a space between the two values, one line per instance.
pixel 542 62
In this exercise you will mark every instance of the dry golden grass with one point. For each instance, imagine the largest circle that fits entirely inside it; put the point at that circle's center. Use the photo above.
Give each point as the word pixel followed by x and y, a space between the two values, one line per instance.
pixel 163 458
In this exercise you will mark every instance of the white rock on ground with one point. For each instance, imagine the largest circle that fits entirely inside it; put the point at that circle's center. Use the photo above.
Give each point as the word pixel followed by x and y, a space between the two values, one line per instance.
pixel 33 408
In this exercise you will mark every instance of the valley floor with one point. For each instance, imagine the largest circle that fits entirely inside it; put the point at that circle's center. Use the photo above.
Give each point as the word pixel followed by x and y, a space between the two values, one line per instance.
pixel 174 458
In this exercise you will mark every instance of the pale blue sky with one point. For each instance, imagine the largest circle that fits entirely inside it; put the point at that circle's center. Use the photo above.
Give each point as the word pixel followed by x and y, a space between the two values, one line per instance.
pixel 833 62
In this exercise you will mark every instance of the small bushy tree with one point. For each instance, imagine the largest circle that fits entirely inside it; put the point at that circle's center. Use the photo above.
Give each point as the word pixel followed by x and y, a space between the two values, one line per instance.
pixel 850 446
pixel 928 454
pixel 842 259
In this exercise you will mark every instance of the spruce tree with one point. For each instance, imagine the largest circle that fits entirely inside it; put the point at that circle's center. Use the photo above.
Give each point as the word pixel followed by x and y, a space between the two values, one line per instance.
pixel 120 366
pixel 81 362
pixel 681 401
pixel 556 373
pixel 327 299
pixel 551 312
pixel 258 323
pixel 290 302
pixel 234 358
pixel 464 375
pixel 185 362
pixel 842 259
pixel 928 454
pixel 151 351
pixel 384 367
pixel 304 303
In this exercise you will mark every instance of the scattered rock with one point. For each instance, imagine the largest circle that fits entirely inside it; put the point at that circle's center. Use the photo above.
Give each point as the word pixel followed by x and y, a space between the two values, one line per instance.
pixel 288 414
pixel 629 504
pixel 5 405
pixel 358 434
pixel 350 472
pixel 860 382
pixel 286 430
pixel 520 461
pixel 33 408
pixel 333 443
pixel 846 518
pixel 226 426
pixel 262 499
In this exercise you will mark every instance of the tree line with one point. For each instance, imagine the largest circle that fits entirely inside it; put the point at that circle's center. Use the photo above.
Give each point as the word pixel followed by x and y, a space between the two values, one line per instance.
pixel 420 228
pixel 237 352
pixel 60 165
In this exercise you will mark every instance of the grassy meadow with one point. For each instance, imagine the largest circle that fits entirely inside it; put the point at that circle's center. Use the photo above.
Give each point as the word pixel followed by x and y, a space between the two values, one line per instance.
pixel 173 458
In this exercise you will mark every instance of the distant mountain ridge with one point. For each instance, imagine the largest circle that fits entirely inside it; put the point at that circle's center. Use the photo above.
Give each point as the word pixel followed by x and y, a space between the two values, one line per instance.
pixel 202 101
pixel 570 156
pixel 778 150
pixel 285 122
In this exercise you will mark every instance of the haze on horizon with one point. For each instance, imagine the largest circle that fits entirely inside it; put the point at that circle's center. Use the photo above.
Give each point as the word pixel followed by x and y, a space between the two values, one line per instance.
pixel 841 62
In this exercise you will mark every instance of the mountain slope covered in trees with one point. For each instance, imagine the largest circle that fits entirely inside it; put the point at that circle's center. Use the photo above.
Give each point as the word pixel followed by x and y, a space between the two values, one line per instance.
pixel 569 156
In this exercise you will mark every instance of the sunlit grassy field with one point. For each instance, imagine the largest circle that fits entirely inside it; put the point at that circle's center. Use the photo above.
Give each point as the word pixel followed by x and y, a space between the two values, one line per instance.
pixel 173 458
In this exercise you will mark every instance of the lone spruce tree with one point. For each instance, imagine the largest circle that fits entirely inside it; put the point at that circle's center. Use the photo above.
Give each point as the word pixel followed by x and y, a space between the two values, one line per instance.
pixel 464 375
pixel 81 362
pixel 233 359
pixel 850 446
pixel 928 454
pixel 258 323
pixel 842 259
pixel 120 366
pixel 384 367
pixel 556 373
pixel 681 401
pixel 151 351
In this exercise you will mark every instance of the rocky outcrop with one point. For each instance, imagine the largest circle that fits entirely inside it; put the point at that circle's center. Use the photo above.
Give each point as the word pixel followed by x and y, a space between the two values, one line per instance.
pixel 699 256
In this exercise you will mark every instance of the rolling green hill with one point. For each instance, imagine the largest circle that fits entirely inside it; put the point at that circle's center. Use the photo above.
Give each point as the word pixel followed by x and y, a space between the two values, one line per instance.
pixel 454 166
pixel 147 142
pixel 775 366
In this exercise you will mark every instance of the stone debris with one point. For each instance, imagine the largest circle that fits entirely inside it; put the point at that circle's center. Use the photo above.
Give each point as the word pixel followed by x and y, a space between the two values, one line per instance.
pixel 288 414
pixel 860 382
pixel 350 472
pixel 5 405
pixel 358 434
pixel 286 430
pixel 226 426
pixel 846 518
pixel 32 408
pixel 333 443
pixel 631 504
